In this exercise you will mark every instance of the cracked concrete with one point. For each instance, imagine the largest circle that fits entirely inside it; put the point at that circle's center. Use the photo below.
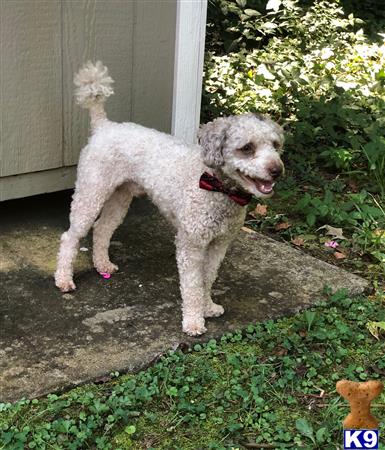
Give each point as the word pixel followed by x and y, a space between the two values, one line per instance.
pixel 50 341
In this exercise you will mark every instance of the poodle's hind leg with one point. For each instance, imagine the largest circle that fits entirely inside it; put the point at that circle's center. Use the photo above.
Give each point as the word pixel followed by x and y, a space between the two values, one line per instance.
pixel 86 205
pixel 113 213
pixel 214 256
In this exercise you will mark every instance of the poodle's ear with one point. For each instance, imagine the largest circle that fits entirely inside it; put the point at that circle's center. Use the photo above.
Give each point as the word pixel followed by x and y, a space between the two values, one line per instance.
pixel 212 138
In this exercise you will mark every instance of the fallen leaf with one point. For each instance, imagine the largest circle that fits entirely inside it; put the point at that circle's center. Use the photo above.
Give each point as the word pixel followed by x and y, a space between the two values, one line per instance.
pixel 261 210
pixel 248 230
pixel 298 241
pixel 339 255
pixel 280 351
pixel 183 347
pixel 332 231
pixel 282 226
pixel 375 328
pixel 102 380
pixel 353 186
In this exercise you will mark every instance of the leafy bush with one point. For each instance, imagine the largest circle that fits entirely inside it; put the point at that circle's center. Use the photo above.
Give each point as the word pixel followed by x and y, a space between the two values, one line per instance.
pixel 357 209
pixel 372 11
pixel 309 67
pixel 309 64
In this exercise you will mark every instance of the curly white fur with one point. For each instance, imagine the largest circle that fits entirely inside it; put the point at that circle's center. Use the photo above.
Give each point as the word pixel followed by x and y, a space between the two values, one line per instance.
pixel 94 86
pixel 124 160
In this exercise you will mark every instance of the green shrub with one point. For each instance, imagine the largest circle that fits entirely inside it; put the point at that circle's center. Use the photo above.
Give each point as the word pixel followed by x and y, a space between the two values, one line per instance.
pixel 309 67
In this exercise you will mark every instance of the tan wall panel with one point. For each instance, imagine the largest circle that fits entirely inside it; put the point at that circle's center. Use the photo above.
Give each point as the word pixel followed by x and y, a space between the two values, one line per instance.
pixel 153 71
pixel 30 86
pixel 34 183
pixel 92 30
pixel 42 44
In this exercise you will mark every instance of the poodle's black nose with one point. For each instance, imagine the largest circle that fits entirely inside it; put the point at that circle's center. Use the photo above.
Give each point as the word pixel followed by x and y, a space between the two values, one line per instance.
pixel 276 170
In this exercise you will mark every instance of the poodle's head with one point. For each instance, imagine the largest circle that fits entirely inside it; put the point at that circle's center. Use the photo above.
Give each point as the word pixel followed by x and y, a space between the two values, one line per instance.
pixel 246 150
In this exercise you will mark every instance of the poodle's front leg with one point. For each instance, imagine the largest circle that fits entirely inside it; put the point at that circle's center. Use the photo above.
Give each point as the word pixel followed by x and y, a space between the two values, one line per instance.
pixel 190 260
pixel 215 254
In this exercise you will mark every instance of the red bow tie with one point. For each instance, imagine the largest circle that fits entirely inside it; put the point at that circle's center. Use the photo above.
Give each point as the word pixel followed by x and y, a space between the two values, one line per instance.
pixel 212 183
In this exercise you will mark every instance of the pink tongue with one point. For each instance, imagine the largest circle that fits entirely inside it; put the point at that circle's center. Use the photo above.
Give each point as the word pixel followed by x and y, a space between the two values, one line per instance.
pixel 265 187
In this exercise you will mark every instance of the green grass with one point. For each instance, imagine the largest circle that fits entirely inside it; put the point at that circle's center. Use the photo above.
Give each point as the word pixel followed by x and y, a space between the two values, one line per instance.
pixel 273 383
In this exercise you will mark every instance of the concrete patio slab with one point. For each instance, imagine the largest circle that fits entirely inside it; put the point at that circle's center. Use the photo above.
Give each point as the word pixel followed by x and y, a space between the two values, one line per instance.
pixel 50 341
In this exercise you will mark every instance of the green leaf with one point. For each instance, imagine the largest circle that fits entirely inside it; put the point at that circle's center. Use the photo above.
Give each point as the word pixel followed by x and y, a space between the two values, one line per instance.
pixel 130 429
pixel 252 12
pixel 323 210
pixel 379 256
pixel 305 428
pixel 304 201
pixel 310 219
pixel 172 391
pixel 269 25
pixel 309 316
pixel 320 435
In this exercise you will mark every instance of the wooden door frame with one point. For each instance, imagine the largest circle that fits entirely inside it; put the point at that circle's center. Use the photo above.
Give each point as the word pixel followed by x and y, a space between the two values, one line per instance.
pixel 188 68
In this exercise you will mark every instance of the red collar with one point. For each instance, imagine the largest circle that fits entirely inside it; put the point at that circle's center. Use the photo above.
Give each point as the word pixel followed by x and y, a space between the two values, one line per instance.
pixel 212 183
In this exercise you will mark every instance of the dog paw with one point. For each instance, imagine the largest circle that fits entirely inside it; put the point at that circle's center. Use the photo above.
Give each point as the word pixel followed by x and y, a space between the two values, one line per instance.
pixel 214 310
pixel 194 327
pixel 65 285
pixel 107 267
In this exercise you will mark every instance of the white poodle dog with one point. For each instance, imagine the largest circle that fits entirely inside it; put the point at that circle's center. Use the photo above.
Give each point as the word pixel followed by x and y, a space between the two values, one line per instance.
pixel 201 189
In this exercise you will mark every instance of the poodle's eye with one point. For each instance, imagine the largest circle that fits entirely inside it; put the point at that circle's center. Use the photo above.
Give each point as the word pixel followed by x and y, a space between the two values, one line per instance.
pixel 247 149
pixel 276 145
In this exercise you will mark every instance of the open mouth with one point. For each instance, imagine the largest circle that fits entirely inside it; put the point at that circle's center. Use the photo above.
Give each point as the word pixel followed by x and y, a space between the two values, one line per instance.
pixel 263 186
